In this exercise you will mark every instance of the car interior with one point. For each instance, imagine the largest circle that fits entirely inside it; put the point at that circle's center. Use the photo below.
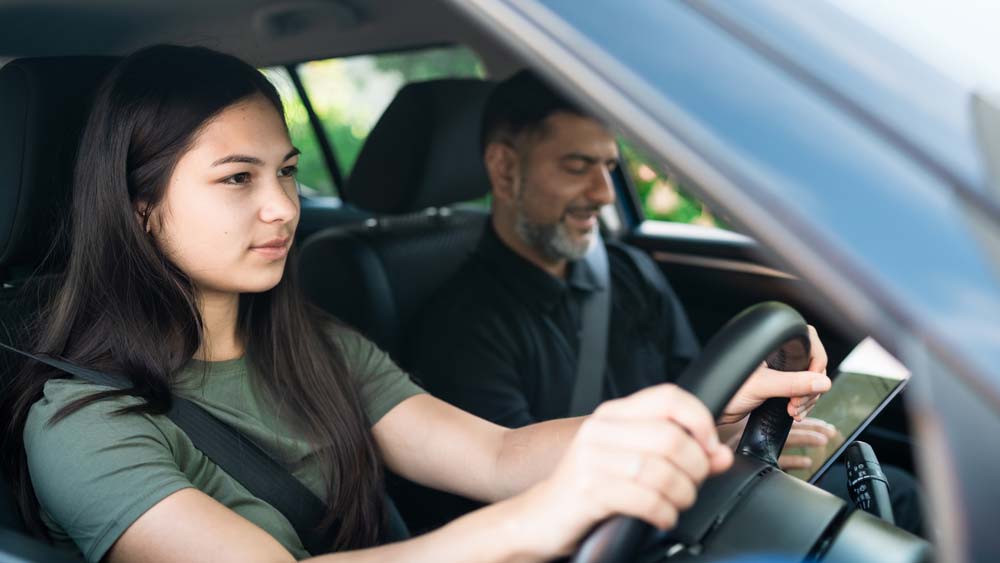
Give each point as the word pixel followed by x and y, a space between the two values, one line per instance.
pixel 402 223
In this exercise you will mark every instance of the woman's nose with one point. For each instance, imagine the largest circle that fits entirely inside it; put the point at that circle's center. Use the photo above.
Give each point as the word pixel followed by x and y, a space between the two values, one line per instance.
pixel 281 202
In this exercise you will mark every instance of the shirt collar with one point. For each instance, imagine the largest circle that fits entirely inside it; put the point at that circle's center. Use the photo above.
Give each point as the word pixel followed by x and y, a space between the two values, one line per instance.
pixel 530 283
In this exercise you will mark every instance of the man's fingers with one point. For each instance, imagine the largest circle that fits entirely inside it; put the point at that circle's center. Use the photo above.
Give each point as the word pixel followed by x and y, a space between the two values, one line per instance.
pixel 799 407
pixel 772 383
pixel 799 437
pixel 818 359
pixel 816 425
pixel 788 462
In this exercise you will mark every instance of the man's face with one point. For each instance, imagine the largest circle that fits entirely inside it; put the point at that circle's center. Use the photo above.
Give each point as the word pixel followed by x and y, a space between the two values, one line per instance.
pixel 564 181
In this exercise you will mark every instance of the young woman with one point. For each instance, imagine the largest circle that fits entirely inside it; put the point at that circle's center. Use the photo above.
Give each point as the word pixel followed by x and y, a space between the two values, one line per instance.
pixel 180 278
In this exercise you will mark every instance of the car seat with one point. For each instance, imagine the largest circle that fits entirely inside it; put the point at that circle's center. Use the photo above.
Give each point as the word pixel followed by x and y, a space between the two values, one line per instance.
pixel 44 104
pixel 421 159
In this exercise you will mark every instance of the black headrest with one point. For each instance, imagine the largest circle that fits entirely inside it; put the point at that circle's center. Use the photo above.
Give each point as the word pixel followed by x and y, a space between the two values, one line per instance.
pixel 424 150
pixel 44 104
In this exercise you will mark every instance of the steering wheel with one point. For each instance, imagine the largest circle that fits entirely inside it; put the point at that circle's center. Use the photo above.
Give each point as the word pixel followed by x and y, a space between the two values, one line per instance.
pixel 714 377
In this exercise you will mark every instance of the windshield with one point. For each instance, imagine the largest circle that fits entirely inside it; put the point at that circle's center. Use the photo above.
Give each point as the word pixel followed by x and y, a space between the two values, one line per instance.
pixel 958 37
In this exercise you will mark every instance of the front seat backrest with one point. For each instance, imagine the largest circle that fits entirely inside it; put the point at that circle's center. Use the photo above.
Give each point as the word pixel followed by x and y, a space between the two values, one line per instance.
pixel 421 158
pixel 44 103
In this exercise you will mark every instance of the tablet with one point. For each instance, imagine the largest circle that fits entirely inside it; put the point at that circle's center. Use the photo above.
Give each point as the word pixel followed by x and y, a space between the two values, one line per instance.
pixel 867 380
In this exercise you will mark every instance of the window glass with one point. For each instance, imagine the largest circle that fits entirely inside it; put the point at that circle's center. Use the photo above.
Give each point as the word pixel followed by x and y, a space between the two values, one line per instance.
pixel 661 194
pixel 349 94
pixel 313 176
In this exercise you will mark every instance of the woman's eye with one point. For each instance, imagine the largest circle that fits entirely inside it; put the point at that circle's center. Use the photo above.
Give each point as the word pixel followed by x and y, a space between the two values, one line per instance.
pixel 238 179
pixel 288 171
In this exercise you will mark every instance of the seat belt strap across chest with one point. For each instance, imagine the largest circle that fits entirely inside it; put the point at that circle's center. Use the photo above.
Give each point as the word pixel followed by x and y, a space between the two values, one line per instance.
pixel 588 387
pixel 234 453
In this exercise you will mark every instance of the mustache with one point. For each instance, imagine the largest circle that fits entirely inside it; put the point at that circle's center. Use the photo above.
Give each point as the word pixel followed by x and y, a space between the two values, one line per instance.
pixel 582 209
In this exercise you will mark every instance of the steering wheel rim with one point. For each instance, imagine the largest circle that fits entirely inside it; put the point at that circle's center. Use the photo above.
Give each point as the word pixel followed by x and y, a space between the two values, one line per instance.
pixel 713 377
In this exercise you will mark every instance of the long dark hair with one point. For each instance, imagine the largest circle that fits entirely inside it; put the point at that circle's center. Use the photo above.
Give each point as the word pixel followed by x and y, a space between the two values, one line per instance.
pixel 125 308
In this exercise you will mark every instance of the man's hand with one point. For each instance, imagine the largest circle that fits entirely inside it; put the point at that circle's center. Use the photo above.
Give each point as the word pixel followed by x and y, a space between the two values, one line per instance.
pixel 803 388
pixel 807 433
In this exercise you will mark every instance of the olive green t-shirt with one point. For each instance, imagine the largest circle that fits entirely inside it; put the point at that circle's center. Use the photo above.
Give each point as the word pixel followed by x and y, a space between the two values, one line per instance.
pixel 95 473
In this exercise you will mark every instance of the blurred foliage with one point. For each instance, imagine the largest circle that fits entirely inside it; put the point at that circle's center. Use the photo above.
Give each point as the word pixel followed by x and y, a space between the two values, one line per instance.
pixel 417 66
pixel 662 196
pixel 349 94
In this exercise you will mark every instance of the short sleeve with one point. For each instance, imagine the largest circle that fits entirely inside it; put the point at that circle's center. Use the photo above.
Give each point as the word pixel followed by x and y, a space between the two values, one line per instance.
pixel 382 383
pixel 95 472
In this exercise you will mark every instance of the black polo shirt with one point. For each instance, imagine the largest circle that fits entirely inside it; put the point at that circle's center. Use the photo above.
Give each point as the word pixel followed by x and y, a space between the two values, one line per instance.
pixel 501 338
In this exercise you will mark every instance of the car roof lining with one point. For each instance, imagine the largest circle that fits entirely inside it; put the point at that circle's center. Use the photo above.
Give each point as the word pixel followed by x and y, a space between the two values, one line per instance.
pixel 270 33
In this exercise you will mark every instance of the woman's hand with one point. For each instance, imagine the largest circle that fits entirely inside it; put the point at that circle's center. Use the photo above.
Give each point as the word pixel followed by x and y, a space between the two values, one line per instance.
pixel 803 388
pixel 642 456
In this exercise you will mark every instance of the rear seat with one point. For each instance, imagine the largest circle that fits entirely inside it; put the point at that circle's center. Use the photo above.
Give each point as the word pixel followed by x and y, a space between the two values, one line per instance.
pixel 421 159
pixel 43 107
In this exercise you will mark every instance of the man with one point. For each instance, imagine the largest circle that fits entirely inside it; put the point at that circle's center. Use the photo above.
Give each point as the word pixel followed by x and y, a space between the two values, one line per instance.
pixel 511 317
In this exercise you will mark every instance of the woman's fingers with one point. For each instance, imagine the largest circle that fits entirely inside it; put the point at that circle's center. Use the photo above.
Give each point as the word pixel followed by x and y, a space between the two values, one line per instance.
pixel 642 456
pixel 632 499
pixel 666 402
pixel 657 438
pixel 658 475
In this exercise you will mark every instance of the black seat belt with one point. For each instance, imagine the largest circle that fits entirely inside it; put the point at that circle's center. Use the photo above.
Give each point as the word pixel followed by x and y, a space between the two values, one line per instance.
pixel 243 460
pixel 595 317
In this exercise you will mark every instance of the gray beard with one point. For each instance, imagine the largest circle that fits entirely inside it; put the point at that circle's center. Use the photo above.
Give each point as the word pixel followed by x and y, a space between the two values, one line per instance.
pixel 552 241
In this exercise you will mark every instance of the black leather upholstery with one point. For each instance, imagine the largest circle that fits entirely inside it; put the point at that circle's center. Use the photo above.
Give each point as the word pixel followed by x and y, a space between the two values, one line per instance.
pixel 376 278
pixel 423 153
pixel 43 107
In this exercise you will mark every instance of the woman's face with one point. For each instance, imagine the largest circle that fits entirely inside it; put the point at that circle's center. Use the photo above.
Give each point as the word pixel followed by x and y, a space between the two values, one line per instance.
pixel 231 206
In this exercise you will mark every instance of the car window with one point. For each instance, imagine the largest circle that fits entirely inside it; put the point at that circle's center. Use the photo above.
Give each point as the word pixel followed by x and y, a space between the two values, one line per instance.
pixel 661 194
pixel 350 93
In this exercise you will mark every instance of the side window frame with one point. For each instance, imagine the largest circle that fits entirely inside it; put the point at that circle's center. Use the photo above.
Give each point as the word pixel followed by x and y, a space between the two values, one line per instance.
pixel 326 149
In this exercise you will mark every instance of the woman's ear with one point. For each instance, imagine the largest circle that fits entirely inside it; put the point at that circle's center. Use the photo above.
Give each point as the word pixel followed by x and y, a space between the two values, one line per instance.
pixel 143 212
pixel 503 168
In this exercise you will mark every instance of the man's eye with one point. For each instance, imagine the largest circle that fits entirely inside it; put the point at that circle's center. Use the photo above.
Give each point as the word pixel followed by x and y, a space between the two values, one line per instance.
pixel 238 179
pixel 288 171
pixel 577 169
